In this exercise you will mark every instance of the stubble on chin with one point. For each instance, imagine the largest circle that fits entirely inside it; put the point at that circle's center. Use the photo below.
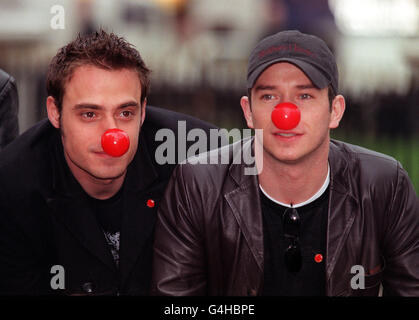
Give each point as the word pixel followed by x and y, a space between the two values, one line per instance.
pixel 295 156
pixel 104 178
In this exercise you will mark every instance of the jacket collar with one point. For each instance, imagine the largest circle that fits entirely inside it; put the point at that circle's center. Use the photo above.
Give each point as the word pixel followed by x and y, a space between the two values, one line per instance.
pixel 343 206
pixel 237 169
pixel 339 167
pixel 245 201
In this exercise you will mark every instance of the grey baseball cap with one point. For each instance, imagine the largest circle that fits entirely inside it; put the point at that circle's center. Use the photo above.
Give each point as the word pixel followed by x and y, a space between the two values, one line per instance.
pixel 307 52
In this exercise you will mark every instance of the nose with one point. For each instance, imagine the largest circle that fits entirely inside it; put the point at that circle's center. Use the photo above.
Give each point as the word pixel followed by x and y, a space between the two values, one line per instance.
pixel 115 142
pixel 108 122
pixel 286 116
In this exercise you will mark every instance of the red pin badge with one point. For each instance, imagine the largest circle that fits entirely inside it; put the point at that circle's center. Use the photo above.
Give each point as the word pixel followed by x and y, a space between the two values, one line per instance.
pixel 286 116
pixel 150 203
pixel 318 258
pixel 115 142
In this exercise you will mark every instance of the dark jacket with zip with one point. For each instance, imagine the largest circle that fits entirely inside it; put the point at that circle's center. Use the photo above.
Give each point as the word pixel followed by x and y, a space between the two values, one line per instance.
pixel 209 233
pixel 45 219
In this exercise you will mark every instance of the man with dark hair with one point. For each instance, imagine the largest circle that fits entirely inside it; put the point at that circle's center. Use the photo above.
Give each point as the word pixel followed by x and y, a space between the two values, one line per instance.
pixel 9 105
pixel 319 216
pixel 76 218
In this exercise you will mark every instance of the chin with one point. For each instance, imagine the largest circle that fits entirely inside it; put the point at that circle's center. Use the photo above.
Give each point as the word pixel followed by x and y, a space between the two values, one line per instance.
pixel 288 159
pixel 292 157
pixel 108 174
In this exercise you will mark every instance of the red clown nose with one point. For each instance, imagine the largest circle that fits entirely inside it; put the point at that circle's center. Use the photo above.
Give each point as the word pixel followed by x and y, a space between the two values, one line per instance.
pixel 115 142
pixel 286 116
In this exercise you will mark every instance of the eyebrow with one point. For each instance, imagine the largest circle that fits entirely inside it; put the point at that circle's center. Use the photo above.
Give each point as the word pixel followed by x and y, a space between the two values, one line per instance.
pixel 306 86
pixel 264 87
pixel 93 106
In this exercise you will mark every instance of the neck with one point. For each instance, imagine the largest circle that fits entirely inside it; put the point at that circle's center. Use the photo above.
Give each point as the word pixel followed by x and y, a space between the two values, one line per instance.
pixel 101 188
pixel 95 187
pixel 294 182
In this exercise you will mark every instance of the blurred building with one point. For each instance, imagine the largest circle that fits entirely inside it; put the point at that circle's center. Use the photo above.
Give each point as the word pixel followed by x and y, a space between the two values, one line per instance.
pixel 187 44
pixel 198 49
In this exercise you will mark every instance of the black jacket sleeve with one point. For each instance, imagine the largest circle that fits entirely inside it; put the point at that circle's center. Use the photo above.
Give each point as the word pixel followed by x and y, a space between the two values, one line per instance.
pixel 179 261
pixel 9 105
pixel 401 243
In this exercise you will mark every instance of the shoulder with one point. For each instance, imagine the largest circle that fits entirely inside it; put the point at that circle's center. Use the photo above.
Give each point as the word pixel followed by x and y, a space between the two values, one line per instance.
pixel 201 179
pixel 158 118
pixel 212 168
pixel 371 171
pixel 209 163
pixel 23 162
pixel 32 141
pixel 166 131
pixel 7 84
pixel 368 160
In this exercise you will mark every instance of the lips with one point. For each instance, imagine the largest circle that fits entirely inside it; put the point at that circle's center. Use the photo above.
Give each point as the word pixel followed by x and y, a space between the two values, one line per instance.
pixel 287 136
pixel 102 154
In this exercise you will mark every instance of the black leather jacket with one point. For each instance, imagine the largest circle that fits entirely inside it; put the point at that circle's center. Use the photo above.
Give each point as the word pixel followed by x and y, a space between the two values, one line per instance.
pixel 209 233
pixel 9 127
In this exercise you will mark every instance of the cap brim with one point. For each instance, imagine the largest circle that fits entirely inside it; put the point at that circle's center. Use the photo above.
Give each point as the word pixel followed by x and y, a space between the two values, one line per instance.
pixel 315 75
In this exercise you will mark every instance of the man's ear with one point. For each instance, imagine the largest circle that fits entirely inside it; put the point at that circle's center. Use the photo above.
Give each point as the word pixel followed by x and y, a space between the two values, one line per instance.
pixel 338 109
pixel 53 112
pixel 247 111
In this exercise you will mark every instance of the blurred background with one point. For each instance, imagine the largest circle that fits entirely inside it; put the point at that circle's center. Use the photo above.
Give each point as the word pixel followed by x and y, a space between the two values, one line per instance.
pixel 198 51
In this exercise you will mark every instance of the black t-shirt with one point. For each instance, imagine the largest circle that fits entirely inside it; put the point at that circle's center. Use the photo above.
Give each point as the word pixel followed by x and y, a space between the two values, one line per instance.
pixel 109 216
pixel 310 280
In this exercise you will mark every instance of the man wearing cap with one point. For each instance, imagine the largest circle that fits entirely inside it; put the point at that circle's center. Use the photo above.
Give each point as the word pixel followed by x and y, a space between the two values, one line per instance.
pixel 320 217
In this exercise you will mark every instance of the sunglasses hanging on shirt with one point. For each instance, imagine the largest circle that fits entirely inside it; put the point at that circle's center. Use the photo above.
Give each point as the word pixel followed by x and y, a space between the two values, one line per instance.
pixel 291 225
